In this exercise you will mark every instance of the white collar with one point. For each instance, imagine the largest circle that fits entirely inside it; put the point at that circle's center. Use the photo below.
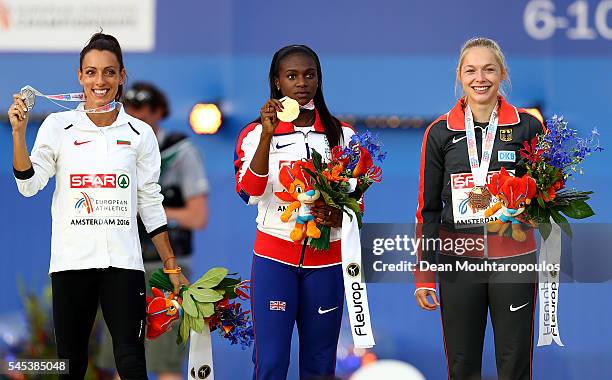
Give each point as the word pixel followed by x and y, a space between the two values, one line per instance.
pixel 122 117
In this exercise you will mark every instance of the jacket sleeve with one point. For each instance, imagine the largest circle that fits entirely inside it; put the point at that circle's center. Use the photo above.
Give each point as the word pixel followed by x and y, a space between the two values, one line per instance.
pixel 249 185
pixel 429 210
pixel 535 126
pixel 43 157
pixel 148 192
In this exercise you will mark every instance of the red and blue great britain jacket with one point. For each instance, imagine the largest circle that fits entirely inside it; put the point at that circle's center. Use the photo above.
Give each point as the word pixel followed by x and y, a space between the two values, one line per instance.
pixel 289 143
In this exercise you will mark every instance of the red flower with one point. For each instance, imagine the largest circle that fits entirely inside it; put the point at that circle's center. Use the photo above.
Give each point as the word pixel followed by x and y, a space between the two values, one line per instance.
pixel 334 172
pixel 364 164
pixel 337 152
pixel 530 152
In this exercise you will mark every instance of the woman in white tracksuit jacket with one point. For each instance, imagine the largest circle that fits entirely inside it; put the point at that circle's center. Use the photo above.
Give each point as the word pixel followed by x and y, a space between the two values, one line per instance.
pixel 106 167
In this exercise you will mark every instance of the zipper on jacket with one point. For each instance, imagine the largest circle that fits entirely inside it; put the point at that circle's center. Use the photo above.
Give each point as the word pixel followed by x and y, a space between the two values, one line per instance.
pixel 303 252
pixel 307 146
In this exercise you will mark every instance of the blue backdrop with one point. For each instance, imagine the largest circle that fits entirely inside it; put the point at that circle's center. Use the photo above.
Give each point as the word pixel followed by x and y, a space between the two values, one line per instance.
pixel 379 58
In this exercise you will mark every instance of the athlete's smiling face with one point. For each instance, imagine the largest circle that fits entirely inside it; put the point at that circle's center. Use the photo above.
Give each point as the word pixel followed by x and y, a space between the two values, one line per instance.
pixel 298 78
pixel 480 75
pixel 100 77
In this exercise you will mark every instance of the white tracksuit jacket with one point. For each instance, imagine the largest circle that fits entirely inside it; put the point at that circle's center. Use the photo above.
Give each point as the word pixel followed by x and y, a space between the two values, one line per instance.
pixel 104 177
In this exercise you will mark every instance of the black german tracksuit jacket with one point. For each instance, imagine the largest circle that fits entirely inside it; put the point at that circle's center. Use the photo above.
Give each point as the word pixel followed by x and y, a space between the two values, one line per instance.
pixel 444 153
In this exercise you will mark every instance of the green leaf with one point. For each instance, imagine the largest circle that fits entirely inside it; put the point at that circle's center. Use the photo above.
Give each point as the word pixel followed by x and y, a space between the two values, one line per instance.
pixel 206 309
pixel 205 295
pixel 211 278
pixel 197 325
pixel 185 327
pixel 577 210
pixel 317 160
pixel 541 202
pixel 161 281
pixel 322 243
pixel 328 199
pixel 561 221
pixel 189 305
pixel 227 287
pixel 228 282
pixel 545 229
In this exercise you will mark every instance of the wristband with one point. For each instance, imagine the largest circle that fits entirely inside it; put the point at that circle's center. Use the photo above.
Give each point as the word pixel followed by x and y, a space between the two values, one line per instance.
pixel 172 271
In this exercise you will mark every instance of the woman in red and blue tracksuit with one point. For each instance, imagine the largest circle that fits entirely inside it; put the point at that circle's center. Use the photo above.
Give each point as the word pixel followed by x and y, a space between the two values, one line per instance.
pixel 291 283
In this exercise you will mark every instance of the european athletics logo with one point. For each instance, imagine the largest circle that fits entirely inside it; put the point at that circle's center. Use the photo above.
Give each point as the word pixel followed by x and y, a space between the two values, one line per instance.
pixel 84 203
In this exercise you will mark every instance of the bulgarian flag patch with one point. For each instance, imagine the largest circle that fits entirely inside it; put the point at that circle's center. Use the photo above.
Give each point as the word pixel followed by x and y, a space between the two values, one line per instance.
pixel 123 142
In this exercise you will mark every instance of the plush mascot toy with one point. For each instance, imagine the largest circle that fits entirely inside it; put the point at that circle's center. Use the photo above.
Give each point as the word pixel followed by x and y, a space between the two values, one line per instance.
pixel 513 195
pixel 162 313
pixel 302 195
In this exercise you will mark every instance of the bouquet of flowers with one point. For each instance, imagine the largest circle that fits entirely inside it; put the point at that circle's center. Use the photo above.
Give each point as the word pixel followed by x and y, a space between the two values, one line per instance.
pixel 208 302
pixel 343 180
pixel 550 159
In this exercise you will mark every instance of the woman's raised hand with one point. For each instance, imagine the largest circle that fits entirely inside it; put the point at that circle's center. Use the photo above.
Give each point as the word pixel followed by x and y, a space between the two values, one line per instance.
pixel 18 114
pixel 269 120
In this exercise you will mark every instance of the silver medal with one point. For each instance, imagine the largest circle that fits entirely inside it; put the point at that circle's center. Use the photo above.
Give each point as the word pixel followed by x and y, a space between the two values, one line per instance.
pixel 30 97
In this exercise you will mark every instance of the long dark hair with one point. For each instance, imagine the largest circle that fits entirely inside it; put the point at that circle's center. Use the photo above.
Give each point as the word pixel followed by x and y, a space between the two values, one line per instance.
pixel 104 42
pixel 333 127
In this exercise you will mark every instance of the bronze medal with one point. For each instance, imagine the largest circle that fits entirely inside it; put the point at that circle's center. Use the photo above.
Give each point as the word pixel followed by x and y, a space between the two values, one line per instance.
pixel 479 198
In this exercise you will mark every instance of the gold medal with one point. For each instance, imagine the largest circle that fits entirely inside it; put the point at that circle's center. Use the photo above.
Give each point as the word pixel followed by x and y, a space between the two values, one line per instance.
pixel 291 110
pixel 479 198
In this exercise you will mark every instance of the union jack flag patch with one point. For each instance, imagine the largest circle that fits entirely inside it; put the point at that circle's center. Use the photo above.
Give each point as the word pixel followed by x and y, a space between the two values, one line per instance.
pixel 278 305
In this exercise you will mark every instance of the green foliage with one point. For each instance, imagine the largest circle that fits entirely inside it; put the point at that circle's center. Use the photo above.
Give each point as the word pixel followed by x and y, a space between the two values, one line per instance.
pixel 199 298
pixel 334 194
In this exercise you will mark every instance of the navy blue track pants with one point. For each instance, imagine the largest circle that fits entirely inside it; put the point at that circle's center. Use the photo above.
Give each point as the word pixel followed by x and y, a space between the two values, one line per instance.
pixel 283 295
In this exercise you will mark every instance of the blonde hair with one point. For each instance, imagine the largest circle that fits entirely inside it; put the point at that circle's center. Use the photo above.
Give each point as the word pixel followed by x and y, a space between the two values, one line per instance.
pixel 493 46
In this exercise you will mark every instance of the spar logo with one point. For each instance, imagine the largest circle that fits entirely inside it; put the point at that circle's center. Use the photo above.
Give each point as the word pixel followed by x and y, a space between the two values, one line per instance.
pixel 93 181
pixel 99 181
pixel 123 181
pixel 84 204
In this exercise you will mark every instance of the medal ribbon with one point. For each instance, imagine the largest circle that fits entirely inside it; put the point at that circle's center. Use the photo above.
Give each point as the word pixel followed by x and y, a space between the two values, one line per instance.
pixel 308 106
pixel 480 169
pixel 30 92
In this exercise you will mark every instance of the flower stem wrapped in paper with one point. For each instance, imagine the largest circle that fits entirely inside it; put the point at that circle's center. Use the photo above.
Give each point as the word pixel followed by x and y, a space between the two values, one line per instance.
pixel 343 180
pixel 208 302
pixel 551 159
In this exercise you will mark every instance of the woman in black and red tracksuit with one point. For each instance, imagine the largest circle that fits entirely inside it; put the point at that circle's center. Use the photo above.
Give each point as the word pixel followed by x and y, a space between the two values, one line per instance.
pixel 446 212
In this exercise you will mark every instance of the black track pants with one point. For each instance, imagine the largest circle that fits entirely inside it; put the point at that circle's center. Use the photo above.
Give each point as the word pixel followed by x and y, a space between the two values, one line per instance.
pixel 465 299
pixel 121 294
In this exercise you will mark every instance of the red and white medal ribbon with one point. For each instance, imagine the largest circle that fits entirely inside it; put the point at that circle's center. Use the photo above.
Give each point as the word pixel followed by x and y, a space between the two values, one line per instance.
pixel 480 169
pixel 308 106
pixel 30 94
